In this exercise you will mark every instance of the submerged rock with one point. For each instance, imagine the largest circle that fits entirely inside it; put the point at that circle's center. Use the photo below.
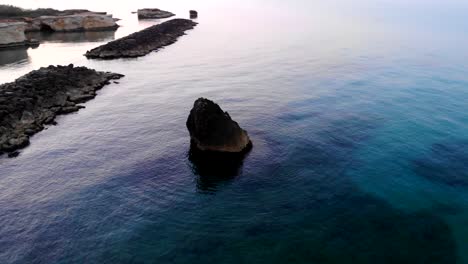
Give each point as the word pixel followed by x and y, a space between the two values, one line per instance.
pixel 212 129
pixel 143 42
pixel 153 13
pixel 35 99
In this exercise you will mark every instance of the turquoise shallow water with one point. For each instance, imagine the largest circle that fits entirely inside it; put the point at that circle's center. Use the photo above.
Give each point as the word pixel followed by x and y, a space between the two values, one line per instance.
pixel 358 117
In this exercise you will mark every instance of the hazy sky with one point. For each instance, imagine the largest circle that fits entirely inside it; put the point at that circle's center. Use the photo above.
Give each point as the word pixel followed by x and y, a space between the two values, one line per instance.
pixel 442 15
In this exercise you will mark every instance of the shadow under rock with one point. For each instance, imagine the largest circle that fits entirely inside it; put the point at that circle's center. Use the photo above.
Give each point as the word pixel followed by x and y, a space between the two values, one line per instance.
pixel 215 168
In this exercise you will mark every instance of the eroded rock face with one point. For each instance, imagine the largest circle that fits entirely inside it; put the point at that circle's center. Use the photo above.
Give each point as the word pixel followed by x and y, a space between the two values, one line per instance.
pixel 72 23
pixel 12 34
pixel 212 129
pixel 35 99
pixel 153 13
pixel 143 42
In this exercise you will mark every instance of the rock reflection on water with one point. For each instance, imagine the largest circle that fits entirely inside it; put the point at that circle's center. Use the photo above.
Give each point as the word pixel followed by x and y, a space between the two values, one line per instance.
pixel 213 168
pixel 66 37
pixel 15 55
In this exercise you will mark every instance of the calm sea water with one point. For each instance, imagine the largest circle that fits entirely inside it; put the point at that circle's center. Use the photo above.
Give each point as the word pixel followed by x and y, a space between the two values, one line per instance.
pixel 357 111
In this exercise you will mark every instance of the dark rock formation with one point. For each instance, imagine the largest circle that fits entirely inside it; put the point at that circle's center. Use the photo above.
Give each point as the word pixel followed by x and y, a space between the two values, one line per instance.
pixel 193 14
pixel 35 99
pixel 153 13
pixel 143 42
pixel 212 129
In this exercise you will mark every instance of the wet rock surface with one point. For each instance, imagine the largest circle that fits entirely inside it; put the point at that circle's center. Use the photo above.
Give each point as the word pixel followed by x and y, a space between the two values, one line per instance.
pixel 212 129
pixel 35 99
pixel 143 42
pixel 153 13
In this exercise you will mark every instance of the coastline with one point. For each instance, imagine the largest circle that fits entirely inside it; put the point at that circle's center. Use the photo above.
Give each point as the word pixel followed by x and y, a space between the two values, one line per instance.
pixel 35 99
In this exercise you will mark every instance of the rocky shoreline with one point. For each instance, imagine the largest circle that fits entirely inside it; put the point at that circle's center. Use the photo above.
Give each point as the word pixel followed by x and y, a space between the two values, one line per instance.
pixel 52 20
pixel 35 99
pixel 13 29
pixel 143 42
pixel 12 34
pixel 79 22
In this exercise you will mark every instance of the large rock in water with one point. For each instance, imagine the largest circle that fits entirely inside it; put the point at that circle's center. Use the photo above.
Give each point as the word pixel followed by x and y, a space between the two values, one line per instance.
pixel 212 129
pixel 12 34
pixel 72 23
pixel 193 14
pixel 35 99
pixel 153 13
pixel 143 42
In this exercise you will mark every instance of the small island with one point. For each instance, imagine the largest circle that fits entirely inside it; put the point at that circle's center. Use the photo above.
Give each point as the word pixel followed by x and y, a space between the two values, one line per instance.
pixel 143 42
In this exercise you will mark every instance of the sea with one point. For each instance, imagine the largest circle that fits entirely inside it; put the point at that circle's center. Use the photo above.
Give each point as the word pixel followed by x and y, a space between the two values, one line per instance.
pixel 358 114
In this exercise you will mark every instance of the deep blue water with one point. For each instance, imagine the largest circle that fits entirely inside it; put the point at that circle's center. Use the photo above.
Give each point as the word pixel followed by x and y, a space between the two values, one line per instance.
pixel 357 112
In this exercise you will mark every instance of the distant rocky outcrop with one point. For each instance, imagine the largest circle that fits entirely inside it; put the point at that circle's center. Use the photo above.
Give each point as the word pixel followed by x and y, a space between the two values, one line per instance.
pixel 193 14
pixel 13 29
pixel 88 21
pixel 143 42
pixel 12 34
pixel 48 19
pixel 9 12
pixel 212 129
pixel 153 13
pixel 35 99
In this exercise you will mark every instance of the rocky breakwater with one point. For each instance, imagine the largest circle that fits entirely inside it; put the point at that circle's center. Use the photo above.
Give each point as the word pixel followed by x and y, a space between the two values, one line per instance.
pixel 153 13
pixel 34 100
pixel 211 129
pixel 143 42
